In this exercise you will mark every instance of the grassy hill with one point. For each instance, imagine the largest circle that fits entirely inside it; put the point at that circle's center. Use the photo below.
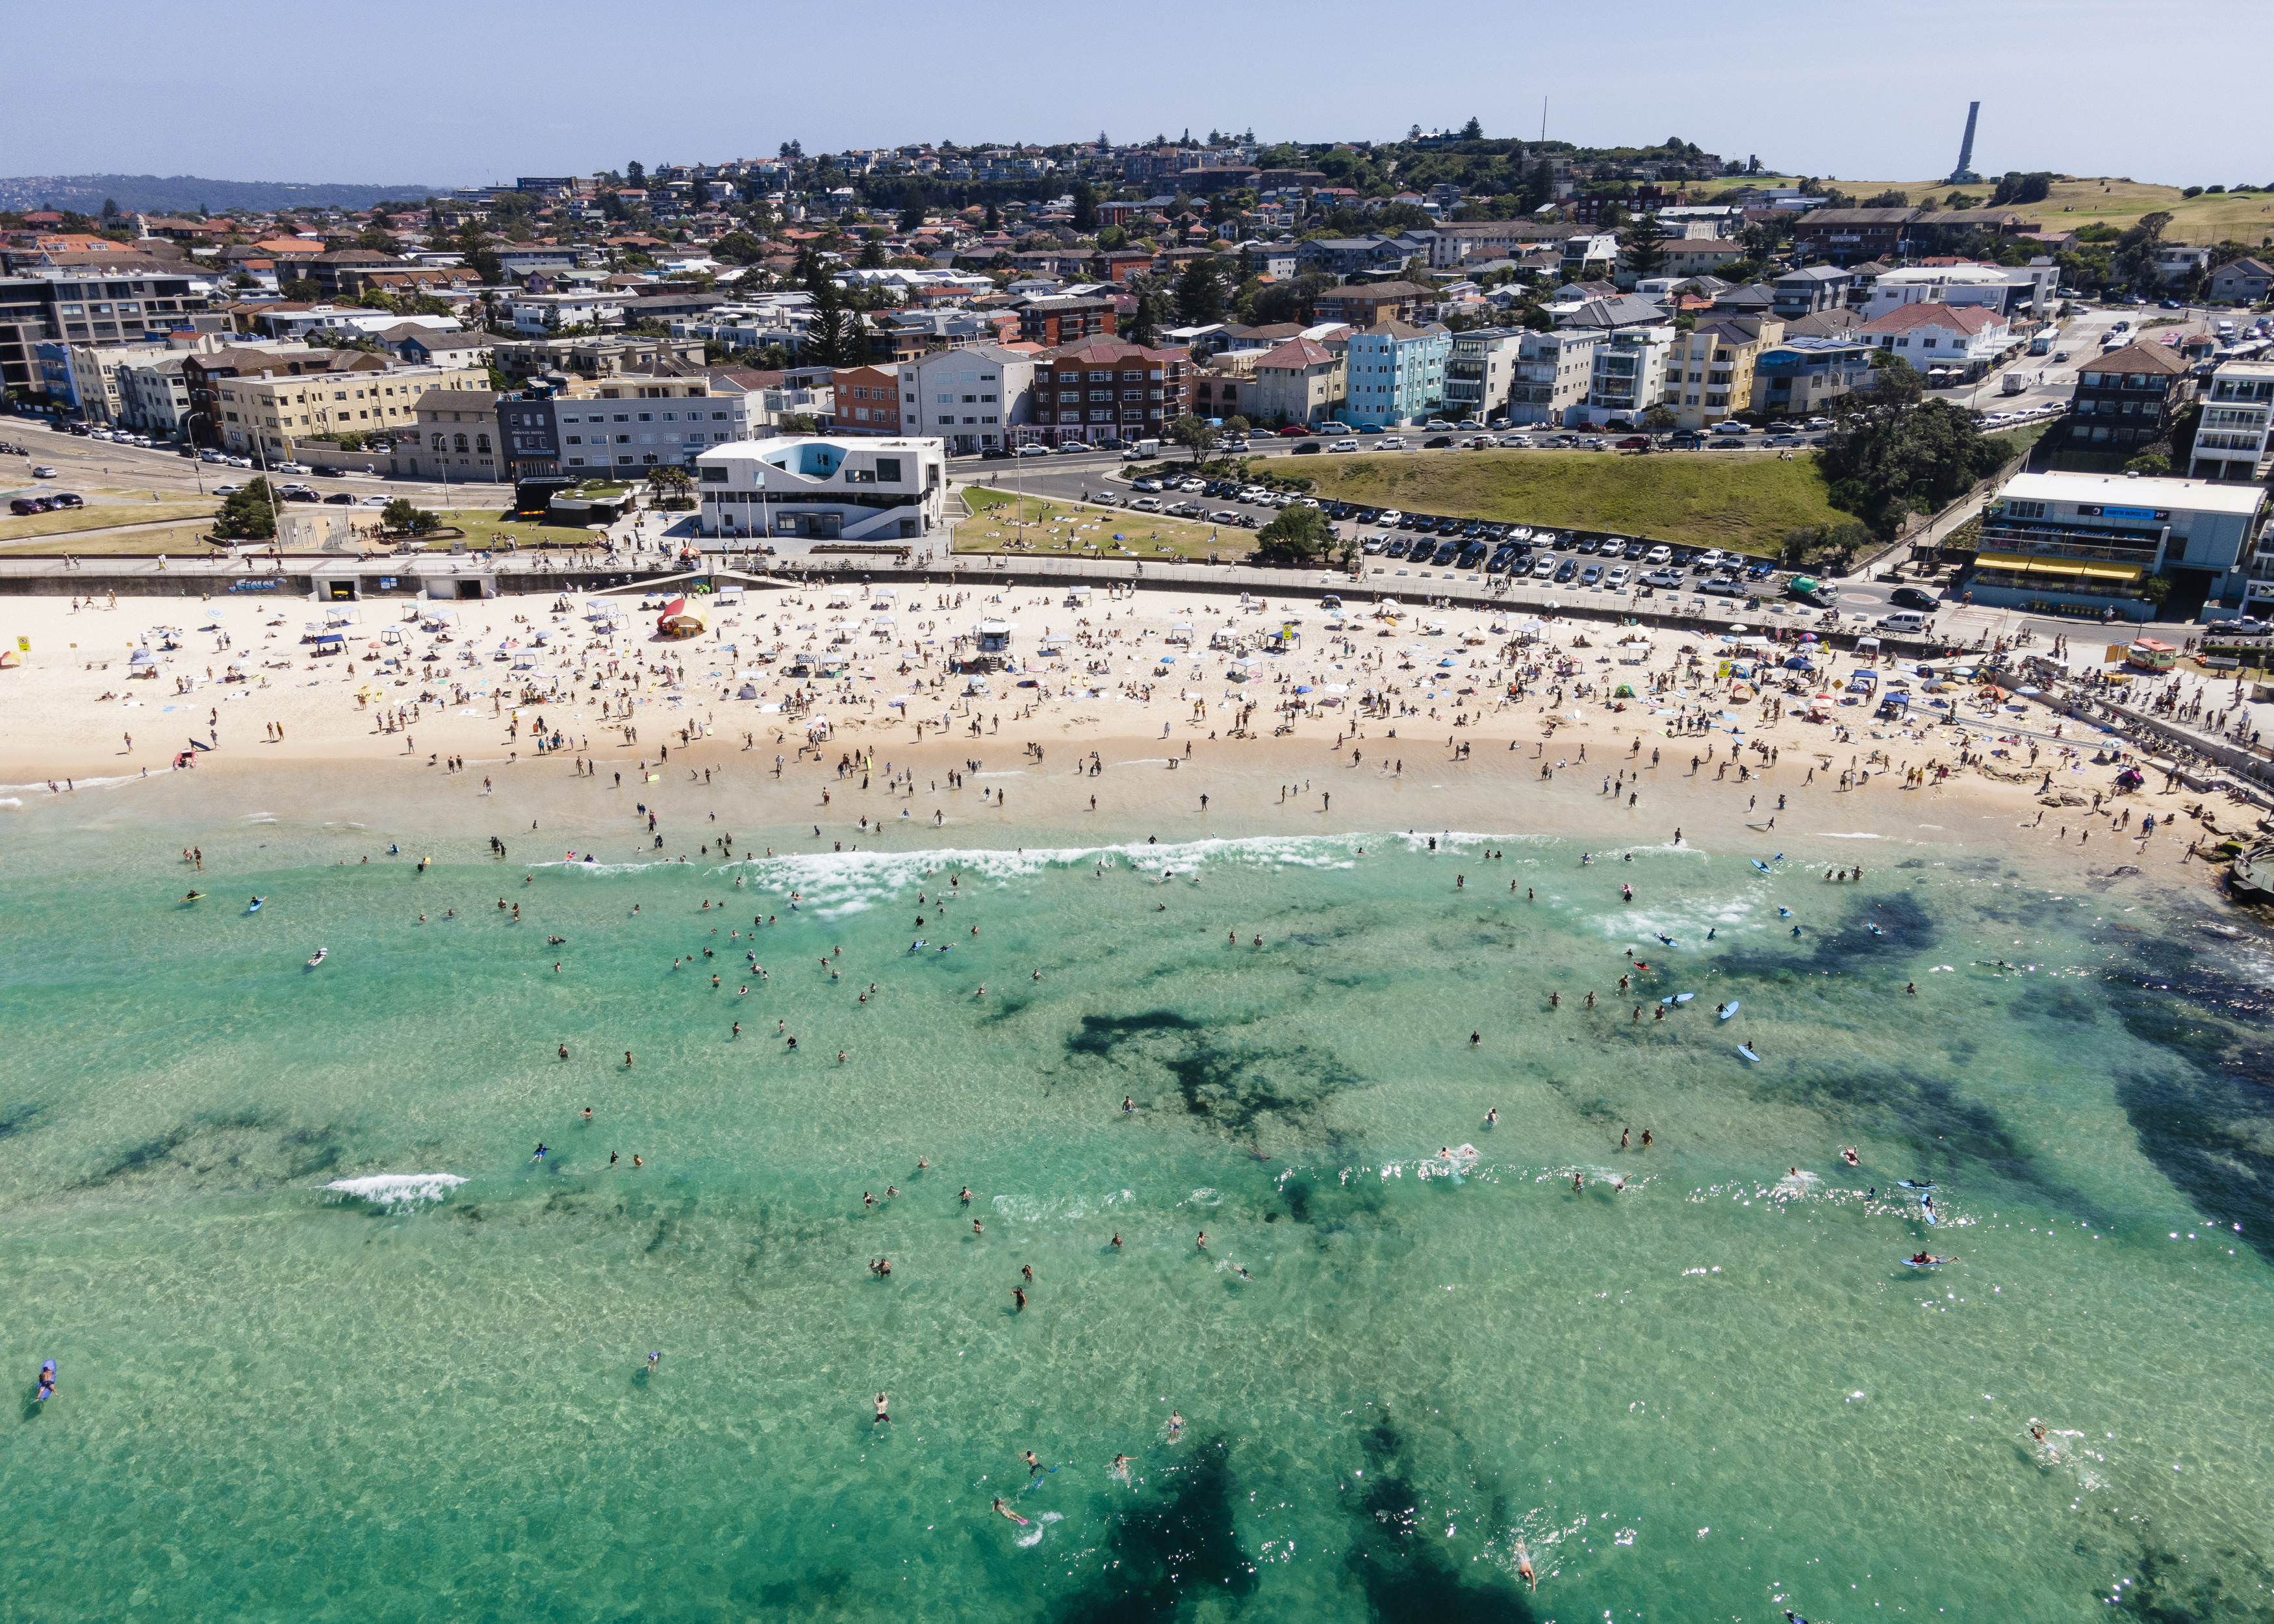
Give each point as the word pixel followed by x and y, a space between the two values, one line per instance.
pixel 2246 217
pixel 1705 498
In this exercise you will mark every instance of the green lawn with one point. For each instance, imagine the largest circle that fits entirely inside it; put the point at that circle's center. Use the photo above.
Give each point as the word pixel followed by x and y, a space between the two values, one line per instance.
pixel 1741 501
pixel 2244 216
pixel 32 528
pixel 1066 529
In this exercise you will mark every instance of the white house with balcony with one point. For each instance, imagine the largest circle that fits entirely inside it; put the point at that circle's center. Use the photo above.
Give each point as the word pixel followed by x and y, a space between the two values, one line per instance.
pixel 1968 338
pixel 2231 441
pixel 1629 375
pixel 822 490
pixel 1552 374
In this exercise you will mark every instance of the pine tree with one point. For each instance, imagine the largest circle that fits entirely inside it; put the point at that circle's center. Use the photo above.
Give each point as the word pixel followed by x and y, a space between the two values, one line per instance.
pixel 1199 295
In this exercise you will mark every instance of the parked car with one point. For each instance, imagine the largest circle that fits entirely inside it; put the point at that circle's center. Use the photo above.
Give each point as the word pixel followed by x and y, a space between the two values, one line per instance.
pixel 1663 578
pixel 1066 447
pixel 1438 442
pixel 996 453
pixel 1565 571
pixel 42 471
pixel 341 499
pixel 1722 586
pixel 227 490
pixel 1343 445
pixel 1730 425
pixel 1308 445
pixel 1392 442
pixel 1911 597
pixel 1591 575
pixel 1635 442
pixel 1293 430
pixel 24 505
pixel 1025 451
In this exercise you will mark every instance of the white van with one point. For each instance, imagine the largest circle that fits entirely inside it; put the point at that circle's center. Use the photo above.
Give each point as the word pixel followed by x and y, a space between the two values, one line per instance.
pixel 1903 622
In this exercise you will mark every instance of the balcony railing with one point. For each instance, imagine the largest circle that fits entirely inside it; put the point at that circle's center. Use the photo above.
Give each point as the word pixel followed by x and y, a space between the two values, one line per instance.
pixel 2066 544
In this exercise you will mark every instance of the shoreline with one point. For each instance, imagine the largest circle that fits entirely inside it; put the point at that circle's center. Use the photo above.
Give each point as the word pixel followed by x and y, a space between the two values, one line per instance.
pixel 1445 747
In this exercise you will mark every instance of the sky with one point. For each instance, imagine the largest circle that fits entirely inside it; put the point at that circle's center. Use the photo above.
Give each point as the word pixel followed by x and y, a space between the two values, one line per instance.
pixel 447 95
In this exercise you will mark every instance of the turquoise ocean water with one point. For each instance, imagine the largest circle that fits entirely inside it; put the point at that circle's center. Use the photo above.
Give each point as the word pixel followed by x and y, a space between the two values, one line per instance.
pixel 332 1346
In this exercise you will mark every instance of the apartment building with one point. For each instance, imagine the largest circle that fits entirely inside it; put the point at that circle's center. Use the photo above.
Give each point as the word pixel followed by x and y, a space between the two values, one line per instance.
pixel 596 357
pixel 1710 371
pixel 1629 373
pixel 1480 370
pixel 453 438
pixel 1059 320
pixel 255 402
pixel 2231 437
pixel 1299 381
pixel 823 490
pixel 2126 399
pixel 1395 373
pixel 868 400
pixel 971 398
pixel 1802 375
pixel 1553 374
pixel 1109 388
pixel 1365 305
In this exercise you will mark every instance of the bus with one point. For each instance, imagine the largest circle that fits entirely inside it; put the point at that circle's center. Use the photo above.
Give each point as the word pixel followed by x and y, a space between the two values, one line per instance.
pixel 2149 655
pixel 2042 343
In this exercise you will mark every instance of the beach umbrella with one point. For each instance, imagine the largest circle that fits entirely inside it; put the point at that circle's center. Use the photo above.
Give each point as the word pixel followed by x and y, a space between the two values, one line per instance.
pixel 1808 637
pixel 1741 627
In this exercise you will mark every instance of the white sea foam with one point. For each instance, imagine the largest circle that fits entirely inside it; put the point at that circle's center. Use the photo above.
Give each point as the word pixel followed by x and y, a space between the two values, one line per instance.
pixel 10 801
pixel 396 1191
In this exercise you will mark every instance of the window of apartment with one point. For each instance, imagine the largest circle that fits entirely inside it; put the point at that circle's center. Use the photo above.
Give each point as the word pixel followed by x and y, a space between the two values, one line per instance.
pixel 621 418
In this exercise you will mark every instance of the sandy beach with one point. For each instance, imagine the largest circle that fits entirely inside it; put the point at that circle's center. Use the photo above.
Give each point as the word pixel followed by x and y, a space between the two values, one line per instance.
pixel 1131 726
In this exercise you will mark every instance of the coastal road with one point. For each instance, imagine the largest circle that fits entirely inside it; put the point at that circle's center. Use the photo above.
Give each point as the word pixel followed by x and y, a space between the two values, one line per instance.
pixel 81 462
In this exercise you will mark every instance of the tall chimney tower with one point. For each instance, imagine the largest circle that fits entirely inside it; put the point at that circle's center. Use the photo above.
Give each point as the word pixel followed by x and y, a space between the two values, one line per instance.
pixel 1964 175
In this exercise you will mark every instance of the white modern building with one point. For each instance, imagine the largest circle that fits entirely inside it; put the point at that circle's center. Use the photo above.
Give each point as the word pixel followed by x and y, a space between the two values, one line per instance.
pixel 970 397
pixel 825 490
pixel 1968 338
pixel 2028 289
pixel 1629 375
pixel 628 424
pixel 2231 437
pixel 1480 371
pixel 1552 375
pixel 2088 544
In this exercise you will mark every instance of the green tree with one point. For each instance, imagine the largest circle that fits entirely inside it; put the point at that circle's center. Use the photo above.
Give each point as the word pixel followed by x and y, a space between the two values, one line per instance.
pixel 301 289
pixel 1153 313
pixel 1657 418
pixel 2135 257
pixel 2149 464
pixel 994 221
pixel 110 215
pixel 1085 206
pixel 1199 294
pixel 249 515
pixel 404 515
pixel 636 175
pixel 1473 130
pixel 912 208
pixel 1236 425
pixel 1298 535
pixel 669 479
pixel 1539 187
pixel 873 254
pixel 1193 435
pixel 738 248
pixel 1641 246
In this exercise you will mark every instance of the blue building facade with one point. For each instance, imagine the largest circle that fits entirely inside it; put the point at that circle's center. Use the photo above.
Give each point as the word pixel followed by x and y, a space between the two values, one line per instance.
pixel 1395 374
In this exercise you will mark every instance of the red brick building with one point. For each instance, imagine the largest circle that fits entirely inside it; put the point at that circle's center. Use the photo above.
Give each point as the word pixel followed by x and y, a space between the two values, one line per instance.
pixel 868 400
pixel 1060 319
pixel 1107 388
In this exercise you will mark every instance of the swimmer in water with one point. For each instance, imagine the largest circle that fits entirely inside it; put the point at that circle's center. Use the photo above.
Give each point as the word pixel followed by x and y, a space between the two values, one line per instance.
pixel 48 1384
pixel 1033 1465
pixel 1116 1242
pixel 1492 1117
pixel 1849 1156
pixel 1120 1468
pixel 653 1358
pixel 1003 1510
pixel 1176 1425
pixel 1523 1567
pixel 881 1415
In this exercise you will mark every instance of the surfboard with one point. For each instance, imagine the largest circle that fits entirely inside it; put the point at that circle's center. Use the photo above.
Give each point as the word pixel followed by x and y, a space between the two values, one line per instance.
pixel 255 907
pixel 1930 1263
pixel 1910 1184
pixel 1763 866
pixel 1746 1053
pixel 1730 1008
pixel 1927 1213
pixel 1679 998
